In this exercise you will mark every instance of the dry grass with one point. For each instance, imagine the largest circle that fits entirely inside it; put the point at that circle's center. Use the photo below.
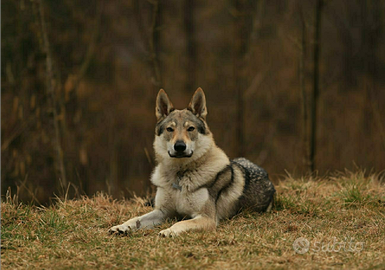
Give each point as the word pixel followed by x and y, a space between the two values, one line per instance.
pixel 72 234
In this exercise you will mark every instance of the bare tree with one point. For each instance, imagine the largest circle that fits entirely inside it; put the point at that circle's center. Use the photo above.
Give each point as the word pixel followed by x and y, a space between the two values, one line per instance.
pixel 155 42
pixel 315 94
pixel 50 84
pixel 302 82
pixel 151 40
pixel 189 6
pixel 242 28
pixel 370 33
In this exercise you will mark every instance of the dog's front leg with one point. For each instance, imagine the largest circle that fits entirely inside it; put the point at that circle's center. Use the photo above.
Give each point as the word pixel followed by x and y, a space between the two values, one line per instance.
pixel 197 223
pixel 146 221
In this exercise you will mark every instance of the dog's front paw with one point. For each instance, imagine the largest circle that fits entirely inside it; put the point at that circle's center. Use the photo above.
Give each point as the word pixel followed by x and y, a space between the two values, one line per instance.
pixel 119 229
pixel 168 233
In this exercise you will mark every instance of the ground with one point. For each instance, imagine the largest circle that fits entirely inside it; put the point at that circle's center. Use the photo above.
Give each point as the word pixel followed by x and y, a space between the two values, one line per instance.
pixel 339 220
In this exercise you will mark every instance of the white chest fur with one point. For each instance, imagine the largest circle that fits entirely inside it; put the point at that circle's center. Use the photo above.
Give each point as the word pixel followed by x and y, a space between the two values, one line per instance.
pixel 179 193
pixel 190 203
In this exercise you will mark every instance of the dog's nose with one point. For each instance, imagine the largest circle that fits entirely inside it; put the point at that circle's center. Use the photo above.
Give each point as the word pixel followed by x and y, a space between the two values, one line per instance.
pixel 180 146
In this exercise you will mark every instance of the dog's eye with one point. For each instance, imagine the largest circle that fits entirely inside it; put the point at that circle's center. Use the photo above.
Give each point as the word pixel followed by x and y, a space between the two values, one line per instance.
pixel 170 129
pixel 191 129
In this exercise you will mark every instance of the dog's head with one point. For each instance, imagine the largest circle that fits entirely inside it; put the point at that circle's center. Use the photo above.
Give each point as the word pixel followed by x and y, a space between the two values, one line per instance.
pixel 181 134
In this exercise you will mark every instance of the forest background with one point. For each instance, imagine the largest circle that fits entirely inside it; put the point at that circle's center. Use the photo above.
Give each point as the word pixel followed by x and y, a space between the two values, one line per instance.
pixel 295 86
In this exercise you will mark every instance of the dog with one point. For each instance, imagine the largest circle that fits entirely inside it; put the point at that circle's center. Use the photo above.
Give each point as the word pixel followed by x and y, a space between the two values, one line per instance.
pixel 194 177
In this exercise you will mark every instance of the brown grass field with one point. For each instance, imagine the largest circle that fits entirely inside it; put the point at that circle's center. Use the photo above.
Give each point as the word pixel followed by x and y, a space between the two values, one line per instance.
pixel 342 217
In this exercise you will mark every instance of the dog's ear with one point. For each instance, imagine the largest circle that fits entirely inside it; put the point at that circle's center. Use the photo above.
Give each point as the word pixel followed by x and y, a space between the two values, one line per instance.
pixel 197 104
pixel 163 105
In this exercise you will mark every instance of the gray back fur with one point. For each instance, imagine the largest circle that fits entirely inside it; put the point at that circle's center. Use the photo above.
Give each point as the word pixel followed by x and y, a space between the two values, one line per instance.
pixel 259 191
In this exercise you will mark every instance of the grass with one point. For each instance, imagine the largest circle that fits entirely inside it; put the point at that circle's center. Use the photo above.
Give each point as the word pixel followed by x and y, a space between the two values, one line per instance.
pixel 345 209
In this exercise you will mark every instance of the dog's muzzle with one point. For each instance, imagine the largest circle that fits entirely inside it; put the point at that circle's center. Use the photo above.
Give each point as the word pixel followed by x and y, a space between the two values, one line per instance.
pixel 180 150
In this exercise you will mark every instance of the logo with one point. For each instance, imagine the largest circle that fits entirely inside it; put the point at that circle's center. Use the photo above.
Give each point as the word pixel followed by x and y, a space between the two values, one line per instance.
pixel 301 245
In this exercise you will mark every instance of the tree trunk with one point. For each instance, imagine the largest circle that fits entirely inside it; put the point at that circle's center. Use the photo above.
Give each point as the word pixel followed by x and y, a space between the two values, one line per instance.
pixel 315 94
pixel 189 27
pixel 53 100
pixel 155 43
pixel 240 36
pixel 302 82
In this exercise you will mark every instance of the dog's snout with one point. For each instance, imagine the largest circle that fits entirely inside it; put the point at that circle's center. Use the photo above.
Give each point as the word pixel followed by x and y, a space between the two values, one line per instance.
pixel 180 146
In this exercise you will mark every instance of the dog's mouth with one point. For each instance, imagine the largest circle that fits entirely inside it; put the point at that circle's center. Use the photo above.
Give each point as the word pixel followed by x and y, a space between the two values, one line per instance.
pixel 180 155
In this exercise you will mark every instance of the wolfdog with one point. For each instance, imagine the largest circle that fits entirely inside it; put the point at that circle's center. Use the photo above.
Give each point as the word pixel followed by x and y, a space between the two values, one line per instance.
pixel 194 177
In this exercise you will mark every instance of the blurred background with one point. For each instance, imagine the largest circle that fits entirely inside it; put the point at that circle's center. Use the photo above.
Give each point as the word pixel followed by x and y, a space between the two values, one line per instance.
pixel 295 86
